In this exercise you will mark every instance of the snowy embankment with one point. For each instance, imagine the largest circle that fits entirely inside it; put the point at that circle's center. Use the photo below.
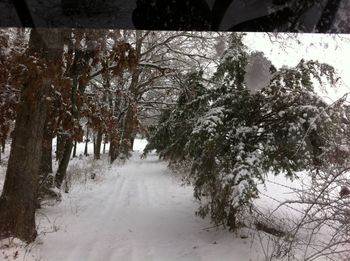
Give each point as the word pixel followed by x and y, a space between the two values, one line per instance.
pixel 136 211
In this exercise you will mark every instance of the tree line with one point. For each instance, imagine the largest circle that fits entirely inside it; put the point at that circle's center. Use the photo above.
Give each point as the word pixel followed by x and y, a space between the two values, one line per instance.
pixel 67 83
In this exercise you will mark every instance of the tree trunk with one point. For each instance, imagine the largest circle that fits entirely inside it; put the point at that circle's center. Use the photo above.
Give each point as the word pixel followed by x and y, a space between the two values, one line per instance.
pixel 74 72
pixel 45 183
pixel 231 219
pixel 18 199
pixel 63 165
pixel 17 203
pixel 113 151
pixel 86 143
pixel 3 145
pixel 94 143
pixel 132 140
pixel 129 126
pixel 46 161
pixel 61 142
pixel 104 146
pixel 75 149
pixel 97 145
pixel 130 123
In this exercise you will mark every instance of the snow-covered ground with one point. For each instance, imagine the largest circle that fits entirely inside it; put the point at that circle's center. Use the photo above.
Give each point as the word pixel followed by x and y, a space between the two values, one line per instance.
pixel 136 211
pixel 140 211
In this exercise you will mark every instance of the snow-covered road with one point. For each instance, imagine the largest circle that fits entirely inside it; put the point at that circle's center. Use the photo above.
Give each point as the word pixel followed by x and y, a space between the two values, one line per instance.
pixel 137 212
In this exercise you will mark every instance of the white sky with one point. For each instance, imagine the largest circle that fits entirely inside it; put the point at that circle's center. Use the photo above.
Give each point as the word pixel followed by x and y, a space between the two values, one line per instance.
pixel 331 49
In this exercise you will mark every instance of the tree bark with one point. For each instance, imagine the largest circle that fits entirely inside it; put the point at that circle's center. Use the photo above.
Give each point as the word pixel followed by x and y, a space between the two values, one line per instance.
pixel 97 146
pixel 130 120
pixel 45 183
pixel 46 161
pixel 17 203
pixel 18 199
pixel 129 126
pixel 113 151
pixel 86 142
pixel 94 143
pixel 63 165
pixel 61 142
pixel 3 145
pixel 75 149
pixel 76 88
pixel 231 219
pixel 17 212
pixel 104 145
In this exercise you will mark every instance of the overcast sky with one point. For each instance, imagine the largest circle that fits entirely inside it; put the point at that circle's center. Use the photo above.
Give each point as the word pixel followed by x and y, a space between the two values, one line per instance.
pixel 331 49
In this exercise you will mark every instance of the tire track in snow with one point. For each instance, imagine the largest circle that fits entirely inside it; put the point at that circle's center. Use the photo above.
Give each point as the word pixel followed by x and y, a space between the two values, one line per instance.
pixel 107 213
pixel 97 213
pixel 139 213
pixel 114 195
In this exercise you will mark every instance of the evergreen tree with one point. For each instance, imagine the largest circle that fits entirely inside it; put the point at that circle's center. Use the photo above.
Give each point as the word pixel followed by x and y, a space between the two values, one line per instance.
pixel 176 124
pixel 237 135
